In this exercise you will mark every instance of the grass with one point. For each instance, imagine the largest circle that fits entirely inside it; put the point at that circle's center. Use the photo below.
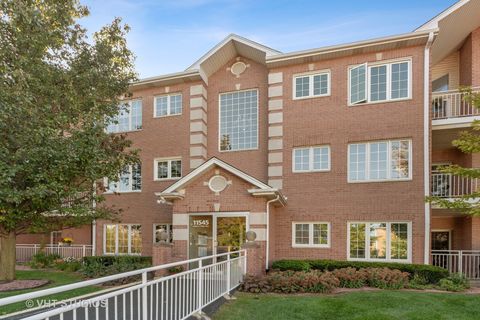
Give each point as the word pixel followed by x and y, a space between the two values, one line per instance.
pixel 356 305
pixel 57 278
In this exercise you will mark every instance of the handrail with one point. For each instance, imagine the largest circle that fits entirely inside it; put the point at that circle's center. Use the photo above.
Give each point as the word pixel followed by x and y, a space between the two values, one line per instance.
pixel 86 283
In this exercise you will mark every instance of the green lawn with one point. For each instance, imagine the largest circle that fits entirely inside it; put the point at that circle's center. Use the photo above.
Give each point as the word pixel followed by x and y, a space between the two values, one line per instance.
pixel 355 305
pixel 57 278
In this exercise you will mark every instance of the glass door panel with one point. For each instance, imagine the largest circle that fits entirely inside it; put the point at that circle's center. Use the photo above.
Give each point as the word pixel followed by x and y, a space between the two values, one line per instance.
pixel 230 234
pixel 200 237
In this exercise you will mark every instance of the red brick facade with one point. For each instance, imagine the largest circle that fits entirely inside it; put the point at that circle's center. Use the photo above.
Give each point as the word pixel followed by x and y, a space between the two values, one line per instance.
pixel 285 123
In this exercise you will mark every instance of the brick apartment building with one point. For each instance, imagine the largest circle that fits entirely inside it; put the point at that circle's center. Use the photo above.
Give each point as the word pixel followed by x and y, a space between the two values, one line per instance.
pixel 323 153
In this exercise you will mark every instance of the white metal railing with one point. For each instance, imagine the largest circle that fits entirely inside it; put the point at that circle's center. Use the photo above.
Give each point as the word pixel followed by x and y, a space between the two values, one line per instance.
pixel 171 297
pixel 466 262
pixel 445 185
pixel 452 104
pixel 25 252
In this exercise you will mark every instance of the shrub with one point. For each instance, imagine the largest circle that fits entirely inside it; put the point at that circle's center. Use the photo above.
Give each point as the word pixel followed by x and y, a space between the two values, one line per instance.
pixel 419 282
pixel 385 278
pixel 100 266
pixel 350 277
pixel 68 264
pixel 254 284
pixel 42 260
pixel 301 281
pixel 455 282
pixel 432 274
pixel 291 265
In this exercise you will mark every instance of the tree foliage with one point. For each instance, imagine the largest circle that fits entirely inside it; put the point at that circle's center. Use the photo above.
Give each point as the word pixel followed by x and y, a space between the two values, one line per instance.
pixel 468 142
pixel 58 91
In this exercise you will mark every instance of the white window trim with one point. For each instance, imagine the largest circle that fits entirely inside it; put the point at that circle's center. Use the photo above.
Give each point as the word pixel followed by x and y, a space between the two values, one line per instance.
pixel 367 160
pixel 130 179
pixel 310 83
pixel 116 239
pixel 310 235
pixel 169 230
pixel 129 103
pixel 388 245
pixel 219 141
pixel 169 111
pixel 310 159
pixel 388 63
pixel 169 169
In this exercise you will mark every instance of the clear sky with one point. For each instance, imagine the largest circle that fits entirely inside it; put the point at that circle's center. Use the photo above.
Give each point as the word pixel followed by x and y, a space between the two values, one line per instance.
pixel 169 35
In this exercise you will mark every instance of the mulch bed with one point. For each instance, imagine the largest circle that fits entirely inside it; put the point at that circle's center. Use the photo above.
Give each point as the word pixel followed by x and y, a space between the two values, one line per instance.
pixel 22 284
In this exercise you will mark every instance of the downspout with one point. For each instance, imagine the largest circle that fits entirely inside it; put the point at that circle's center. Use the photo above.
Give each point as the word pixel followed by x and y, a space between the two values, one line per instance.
pixel 426 142
pixel 94 223
pixel 267 235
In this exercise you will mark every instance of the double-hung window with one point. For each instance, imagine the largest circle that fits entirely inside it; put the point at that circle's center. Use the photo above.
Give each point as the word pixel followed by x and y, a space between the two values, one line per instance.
pixel 311 159
pixel 129 118
pixel 311 234
pixel 121 239
pixel 158 229
pixel 379 82
pixel 380 160
pixel 238 120
pixel 168 169
pixel 168 105
pixel 311 85
pixel 380 241
pixel 130 179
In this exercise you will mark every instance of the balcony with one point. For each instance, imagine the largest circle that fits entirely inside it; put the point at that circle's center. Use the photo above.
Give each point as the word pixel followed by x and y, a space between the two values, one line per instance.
pixel 450 110
pixel 445 185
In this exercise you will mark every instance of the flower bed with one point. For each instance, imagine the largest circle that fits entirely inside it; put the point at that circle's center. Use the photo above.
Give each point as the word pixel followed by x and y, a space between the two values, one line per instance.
pixel 316 281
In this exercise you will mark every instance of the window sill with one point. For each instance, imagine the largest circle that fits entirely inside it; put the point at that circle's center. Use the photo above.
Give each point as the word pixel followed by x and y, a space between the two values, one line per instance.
pixel 381 260
pixel 311 171
pixel 168 116
pixel 129 131
pixel 379 181
pixel 379 102
pixel 167 179
pixel 240 150
pixel 122 192
pixel 311 97
pixel 311 246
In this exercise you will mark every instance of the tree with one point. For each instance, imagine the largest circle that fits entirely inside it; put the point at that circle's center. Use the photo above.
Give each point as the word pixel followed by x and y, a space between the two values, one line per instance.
pixel 58 92
pixel 468 142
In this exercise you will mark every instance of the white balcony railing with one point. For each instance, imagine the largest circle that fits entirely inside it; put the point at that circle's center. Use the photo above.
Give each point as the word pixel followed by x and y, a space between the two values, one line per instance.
pixel 445 185
pixel 26 251
pixel 466 262
pixel 451 104
pixel 169 297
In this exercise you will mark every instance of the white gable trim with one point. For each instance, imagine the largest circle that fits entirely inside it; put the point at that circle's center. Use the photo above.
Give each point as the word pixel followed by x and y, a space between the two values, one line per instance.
pixel 433 23
pixel 208 165
pixel 233 37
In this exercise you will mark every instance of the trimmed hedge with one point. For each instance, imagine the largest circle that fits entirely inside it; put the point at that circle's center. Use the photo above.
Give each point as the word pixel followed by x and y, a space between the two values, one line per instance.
pixel 432 274
pixel 99 266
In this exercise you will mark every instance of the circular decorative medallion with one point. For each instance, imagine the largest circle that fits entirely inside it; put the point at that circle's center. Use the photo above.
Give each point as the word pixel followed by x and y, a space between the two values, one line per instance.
pixel 217 183
pixel 238 68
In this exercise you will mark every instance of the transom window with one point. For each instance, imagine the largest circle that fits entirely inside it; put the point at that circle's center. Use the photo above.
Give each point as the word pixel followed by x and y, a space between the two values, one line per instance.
pixel 129 118
pixel 380 241
pixel 157 231
pixel 310 234
pixel 311 85
pixel 168 169
pixel 311 159
pixel 130 179
pixel 381 160
pixel 168 105
pixel 238 120
pixel 122 239
pixel 380 82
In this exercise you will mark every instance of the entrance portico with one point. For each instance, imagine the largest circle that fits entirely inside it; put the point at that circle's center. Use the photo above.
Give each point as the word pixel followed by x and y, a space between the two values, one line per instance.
pixel 212 209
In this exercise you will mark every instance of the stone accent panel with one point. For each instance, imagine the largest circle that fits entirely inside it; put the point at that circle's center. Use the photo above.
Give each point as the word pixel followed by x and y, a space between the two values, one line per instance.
pixel 275 129
pixel 198 125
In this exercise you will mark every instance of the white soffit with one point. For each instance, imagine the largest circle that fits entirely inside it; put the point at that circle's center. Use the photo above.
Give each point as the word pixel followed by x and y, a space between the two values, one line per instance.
pixel 229 48
pixel 454 28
